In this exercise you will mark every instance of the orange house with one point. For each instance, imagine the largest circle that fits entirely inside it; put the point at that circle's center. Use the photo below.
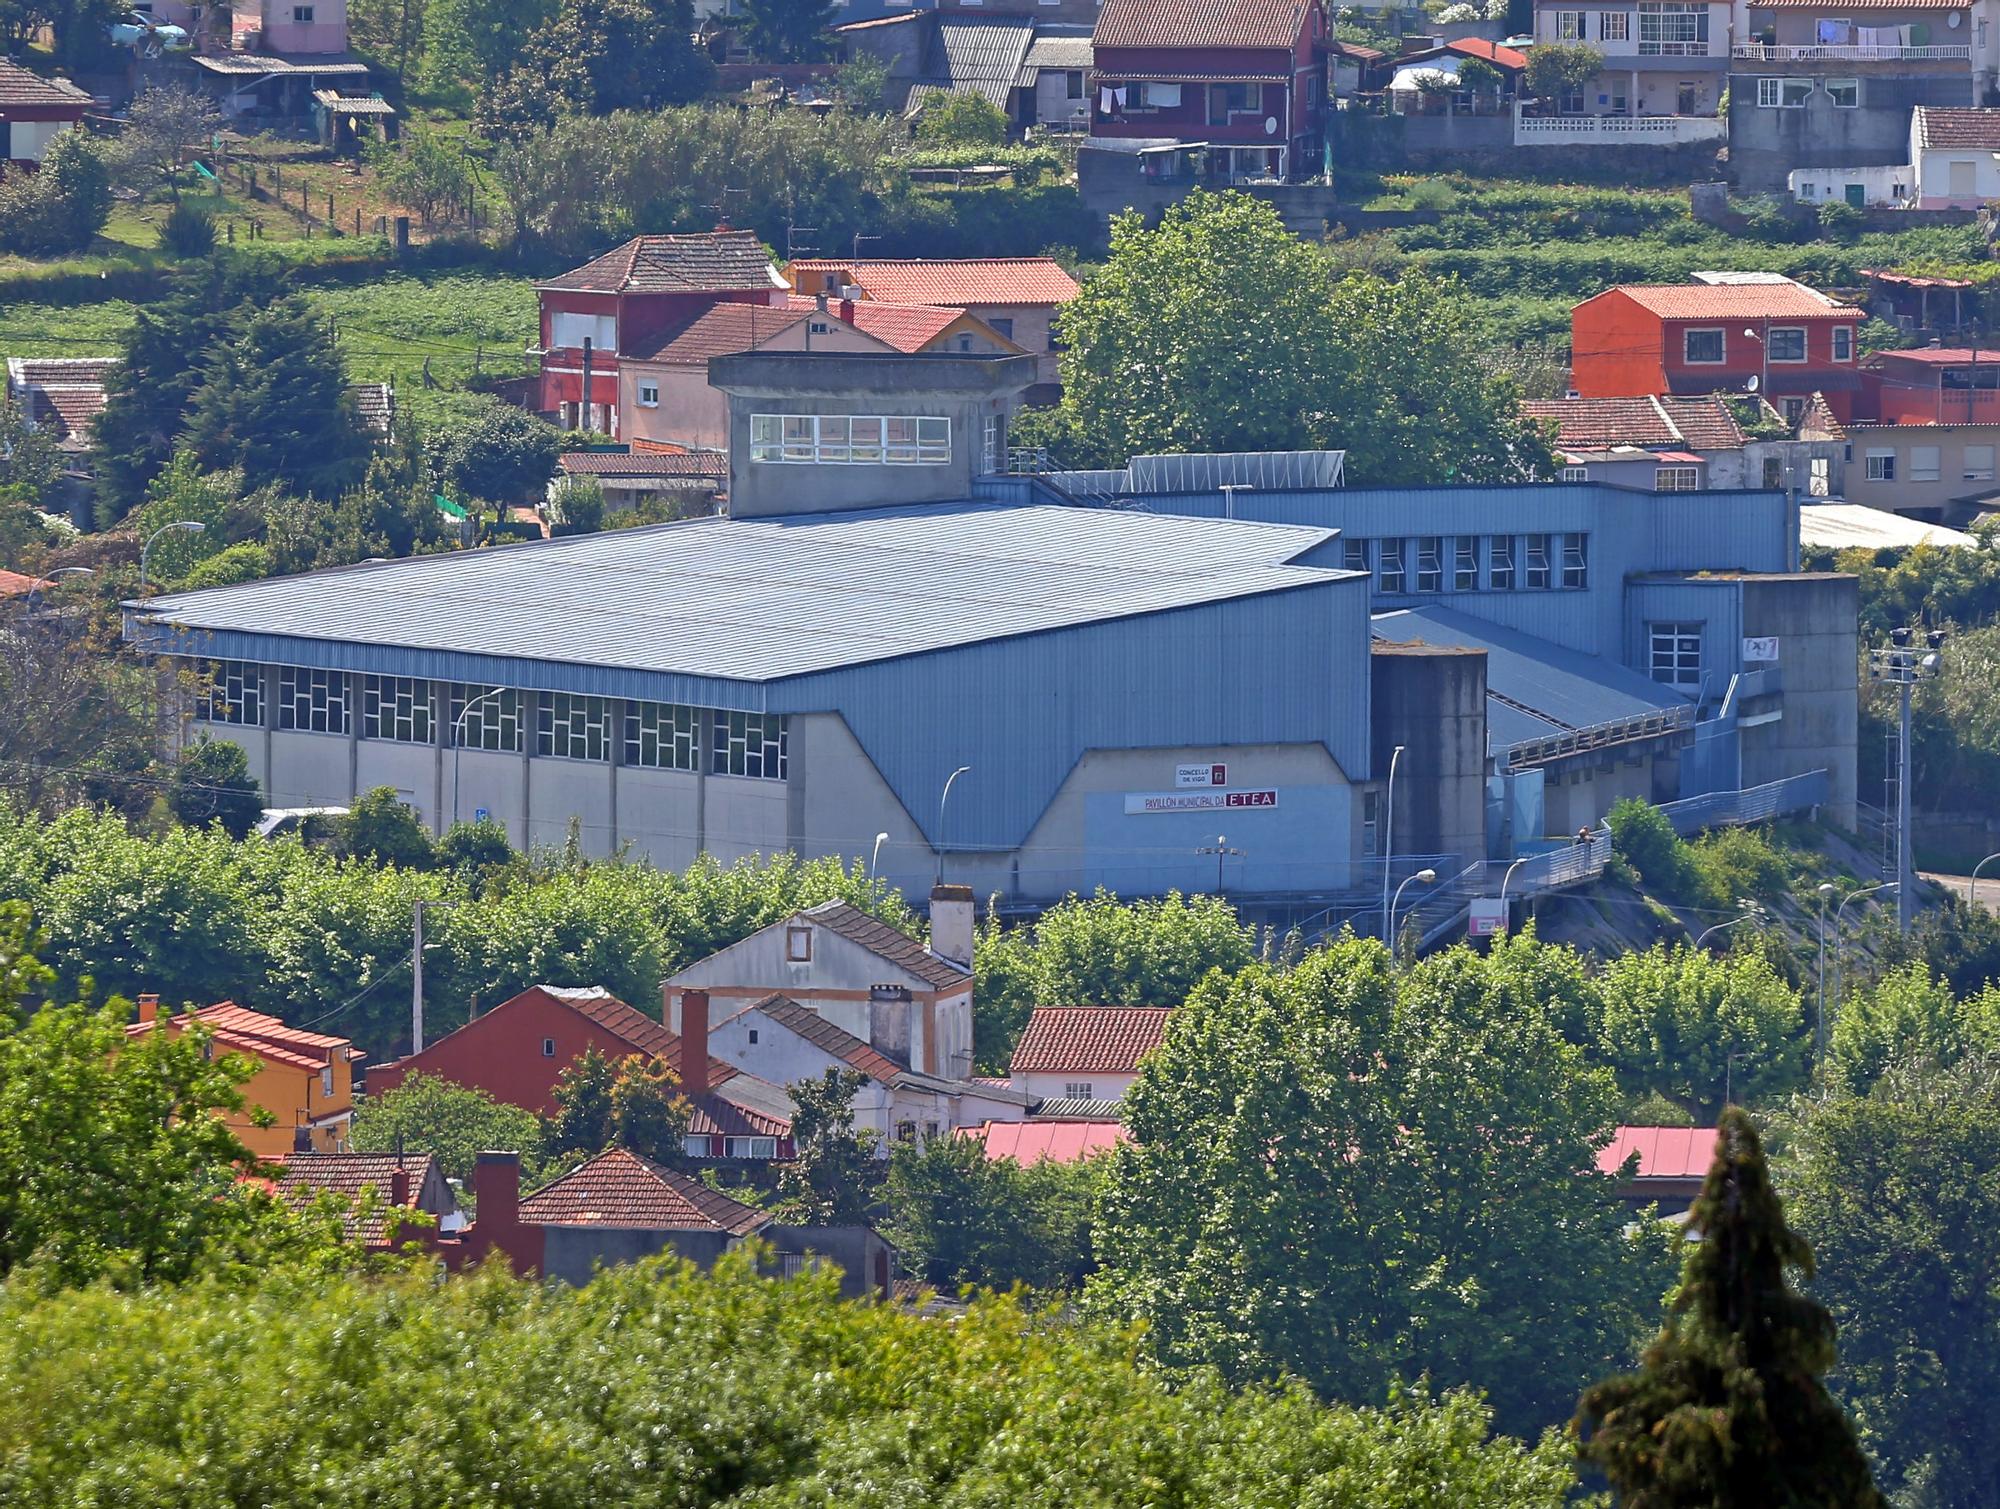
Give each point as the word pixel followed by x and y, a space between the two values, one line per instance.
pixel 304 1079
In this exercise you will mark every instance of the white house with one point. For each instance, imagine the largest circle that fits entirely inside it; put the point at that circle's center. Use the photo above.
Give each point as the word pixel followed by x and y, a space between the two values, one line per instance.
pixel 1951 167
pixel 1085 1052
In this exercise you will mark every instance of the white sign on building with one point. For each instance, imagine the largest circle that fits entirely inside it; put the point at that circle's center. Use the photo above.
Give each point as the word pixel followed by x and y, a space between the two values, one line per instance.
pixel 1138 802
pixel 1200 775
pixel 1765 648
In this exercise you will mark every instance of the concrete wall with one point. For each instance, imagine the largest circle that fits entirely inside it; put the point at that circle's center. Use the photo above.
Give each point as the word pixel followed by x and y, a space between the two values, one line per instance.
pixel 1766 143
pixel 1578 793
pixel 1904 493
pixel 1102 1086
pixel 1814 619
pixel 863 1258
pixel 1884 183
pixel 1432 701
pixel 574 1253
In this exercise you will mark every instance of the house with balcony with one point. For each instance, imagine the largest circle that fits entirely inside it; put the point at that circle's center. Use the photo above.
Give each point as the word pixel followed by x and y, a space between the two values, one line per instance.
pixel 1778 339
pixel 1666 63
pixel 1817 86
pixel 1238 85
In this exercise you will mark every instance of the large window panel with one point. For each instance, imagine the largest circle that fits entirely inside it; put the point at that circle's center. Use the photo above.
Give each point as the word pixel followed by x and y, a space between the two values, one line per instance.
pixel 232 692
pixel 662 736
pixel 573 728
pixel 486 717
pixel 313 702
pixel 396 708
pixel 751 744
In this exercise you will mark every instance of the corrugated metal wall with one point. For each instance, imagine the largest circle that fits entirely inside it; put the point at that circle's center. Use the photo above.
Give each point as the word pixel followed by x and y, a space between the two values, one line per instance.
pixel 1287 667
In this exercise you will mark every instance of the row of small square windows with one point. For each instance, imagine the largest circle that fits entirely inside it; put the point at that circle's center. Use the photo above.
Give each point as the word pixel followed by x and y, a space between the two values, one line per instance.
pixel 1508 563
pixel 401 709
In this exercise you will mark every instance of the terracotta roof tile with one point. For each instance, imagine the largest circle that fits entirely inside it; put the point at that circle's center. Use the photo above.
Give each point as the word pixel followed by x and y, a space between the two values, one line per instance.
pixel 711 262
pixel 886 942
pixel 1199 23
pixel 20 87
pixel 1491 52
pixel 60 371
pixel 1702 424
pixel 632 1026
pixel 1047 1141
pixel 720 330
pixel 645 464
pixel 837 1042
pixel 1733 301
pixel 619 1188
pixel 712 1116
pixel 15 584
pixel 349 1175
pixel 239 1029
pixel 1942 127
pixel 1664 1152
pixel 1089 1039
pixel 69 412
pixel 961 282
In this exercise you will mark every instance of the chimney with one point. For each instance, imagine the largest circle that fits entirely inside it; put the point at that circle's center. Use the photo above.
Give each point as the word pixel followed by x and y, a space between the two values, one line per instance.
pixel 951 923
pixel 694 1042
pixel 149 1008
pixel 302 1139
pixel 496 1187
pixel 847 310
pixel 399 1187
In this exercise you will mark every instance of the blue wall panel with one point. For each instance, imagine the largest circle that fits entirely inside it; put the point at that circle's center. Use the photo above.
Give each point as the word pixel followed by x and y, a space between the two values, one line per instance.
pixel 1289 847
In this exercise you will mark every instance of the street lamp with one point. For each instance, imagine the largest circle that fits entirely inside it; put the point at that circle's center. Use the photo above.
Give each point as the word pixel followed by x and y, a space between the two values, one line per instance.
pixel 1902 664
pixel 458 741
pixel 179 526
pixel 1754 911
pixel 1389 840
pixel 943 797
pixel 880 839
pixel 417 972
pixel 1972 895
pixel 53 577
pixel 1426 876
pixel 1826 889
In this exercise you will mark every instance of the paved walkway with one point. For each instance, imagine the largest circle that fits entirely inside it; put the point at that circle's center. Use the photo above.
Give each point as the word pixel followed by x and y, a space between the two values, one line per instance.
pixel 1961 886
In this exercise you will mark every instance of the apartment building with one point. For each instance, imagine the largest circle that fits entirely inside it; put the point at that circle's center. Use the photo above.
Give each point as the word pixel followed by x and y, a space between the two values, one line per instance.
pixel 1666 63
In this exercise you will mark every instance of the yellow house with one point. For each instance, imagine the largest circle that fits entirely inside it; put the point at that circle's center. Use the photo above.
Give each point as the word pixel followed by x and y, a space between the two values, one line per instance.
pixel 304 1079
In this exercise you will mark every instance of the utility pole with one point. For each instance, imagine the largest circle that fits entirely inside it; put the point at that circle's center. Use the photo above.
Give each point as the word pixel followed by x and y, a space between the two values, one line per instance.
pixel 1222 852
pixel 1902 664
pixel 583 418
pixel 417 972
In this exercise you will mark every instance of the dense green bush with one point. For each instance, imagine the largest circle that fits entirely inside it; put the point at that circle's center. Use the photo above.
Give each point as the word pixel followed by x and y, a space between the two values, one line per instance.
pixel 188 230
pixel 659 1387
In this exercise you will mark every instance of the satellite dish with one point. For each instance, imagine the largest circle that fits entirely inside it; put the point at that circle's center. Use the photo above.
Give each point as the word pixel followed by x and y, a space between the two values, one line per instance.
pixel 1270 125
pixel 1953 19
pixel 1750 385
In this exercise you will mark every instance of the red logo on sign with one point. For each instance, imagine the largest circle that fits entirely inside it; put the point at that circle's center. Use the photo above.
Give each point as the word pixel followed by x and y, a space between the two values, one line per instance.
pixel 1251 799
pixel 1218 775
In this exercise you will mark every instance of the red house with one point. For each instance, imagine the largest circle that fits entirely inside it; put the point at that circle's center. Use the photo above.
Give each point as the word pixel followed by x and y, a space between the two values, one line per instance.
pixel 33 112
pixel 517 1051
pixel 1780 339
pixel 629 297
pixel 1244 77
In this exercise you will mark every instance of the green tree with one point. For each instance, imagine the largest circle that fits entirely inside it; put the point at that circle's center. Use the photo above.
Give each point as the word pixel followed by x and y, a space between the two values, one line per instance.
pixel 1910 1016
pixel 451 1122
pixel 831 1178
pixel 1895 1192
pixel 163 128
pixel 1644 839
pixel 474 851
pixel 382 827
pixel 598 56
pixel 503 455
pixel 958 1217
pixel 274 403
pixel 787 31
pixel 1728 1408
pixel 962 119
pixel 183 493
pixel 62 207
pixel 422 172
pixel 30 468
pixel 1681 1023
pixel 1480 78
pixel 1559 68
pixel 583 1120
pixel 1421 1143
pixel 649 1114
pixel 212 784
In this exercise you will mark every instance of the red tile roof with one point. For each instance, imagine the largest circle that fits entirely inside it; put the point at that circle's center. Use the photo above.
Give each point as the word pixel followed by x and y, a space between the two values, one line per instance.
pixel 712 1116
pixel 629 1024
pixel 959 283
pixel 1199 23
pixel 349 1175
pixel 1913 280
pixel 836 1042
pixel 888 943
pixel 1944 127
pixel 711 262
pixel 1944 356
pixel 1054 1141
pixel 1089 1039
pixel 61 371
pixel 1703 424
pixel 20 87
pixel 720 330
pixel 1664 1152
pixel 619 1188
pixel 645 464
pixel 239 1029
pixel 14 584
pixel 907 327
pixel 1491 52
pixel 1733 301
pixel 68 412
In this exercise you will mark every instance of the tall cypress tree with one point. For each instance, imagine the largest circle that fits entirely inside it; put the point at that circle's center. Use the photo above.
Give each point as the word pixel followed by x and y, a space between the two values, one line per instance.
pixel 274 402
pixel 1727 1410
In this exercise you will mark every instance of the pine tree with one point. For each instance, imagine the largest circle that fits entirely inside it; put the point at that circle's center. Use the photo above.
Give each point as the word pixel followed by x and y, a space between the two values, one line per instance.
pixel 274 402
pixel 1728 1411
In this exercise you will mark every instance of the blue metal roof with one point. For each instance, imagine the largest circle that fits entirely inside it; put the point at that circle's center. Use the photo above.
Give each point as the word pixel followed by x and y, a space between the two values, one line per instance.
pixel 1536 688
pixel 761 600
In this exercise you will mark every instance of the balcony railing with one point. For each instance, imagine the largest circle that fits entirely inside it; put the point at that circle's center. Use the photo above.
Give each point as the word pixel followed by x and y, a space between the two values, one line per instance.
pixel 1628 130
pixel 1843 52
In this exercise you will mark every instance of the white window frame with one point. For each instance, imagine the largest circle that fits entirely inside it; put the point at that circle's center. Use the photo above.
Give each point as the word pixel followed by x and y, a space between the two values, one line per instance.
pixel 1926 463
pixel 1679 29
pixel 649 393
pixel 798 945
pixel 1354 554
pixel 1430 563
pixel 1576 474
pixel 1575 562
pixel 1674 653
pixel 1783 93
pixel 496 725
pixel 765 1148
pixel 1390 558
pixel 1465 564
pixel 1879 465
pixel 398 710
pixel 1571 26
pixel 1805 345
pixel 1687 347
pixel 567 330
pixel 851 439
pixel 302 15
pixel 1614 26
pixel 1843 343
pixel 1537 573
pixel 571 726
pixel 1676 479
pixel 1977 470
pixel 312 701
pixel 755 746
pixel 232 694
pixel 1852 88
pixel 1504 571
pixel 1079 1089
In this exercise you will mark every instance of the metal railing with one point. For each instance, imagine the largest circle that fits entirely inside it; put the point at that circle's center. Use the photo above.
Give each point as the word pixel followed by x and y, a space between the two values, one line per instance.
pixel 1651 725
pixel 1848 52
pixel 1754 804
pixel 1572 864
